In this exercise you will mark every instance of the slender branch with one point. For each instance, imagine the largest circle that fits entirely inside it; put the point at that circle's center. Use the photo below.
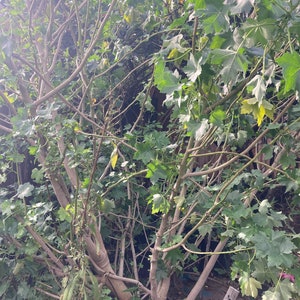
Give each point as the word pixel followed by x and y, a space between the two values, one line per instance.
pixel 57 89
pixel 6 129
pixel 244 152
pixel 51 295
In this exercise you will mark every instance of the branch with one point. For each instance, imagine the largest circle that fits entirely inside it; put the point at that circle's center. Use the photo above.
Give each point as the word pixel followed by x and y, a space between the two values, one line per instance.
pixel 42 243
pixel 247 150
pixel 57 89
pixel 204 275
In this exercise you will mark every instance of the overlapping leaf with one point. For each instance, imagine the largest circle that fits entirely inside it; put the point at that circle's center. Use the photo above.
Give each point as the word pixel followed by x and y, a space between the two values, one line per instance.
pixel 233 62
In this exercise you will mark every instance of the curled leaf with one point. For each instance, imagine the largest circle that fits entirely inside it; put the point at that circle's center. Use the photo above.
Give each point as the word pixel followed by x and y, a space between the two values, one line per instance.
pixel 114 157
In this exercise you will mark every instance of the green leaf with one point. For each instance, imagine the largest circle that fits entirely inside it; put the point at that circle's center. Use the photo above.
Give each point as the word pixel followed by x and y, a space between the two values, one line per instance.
pixel 162 271
pixel 264 206
pixel 199 4
pixel 156 171
pixel 233 63
pixel 290 63
pixel 284 290
pixel 4 287
pixel 23 290
pixel 193 68
pixel 259 31
pixel 285 244
pixel 166 81
pixel 217 117
pixel 242 7
pixel 174 43
pixel 288 159
pixel 107 205
pixel 174 256
pixel 249 285
pixel 37 175
pixel 267 150
pixel 24 190
pixel 179 200
pixel 144 153
pixel 64 215
pixel 214 17
pixel 277 248
pixel 159 204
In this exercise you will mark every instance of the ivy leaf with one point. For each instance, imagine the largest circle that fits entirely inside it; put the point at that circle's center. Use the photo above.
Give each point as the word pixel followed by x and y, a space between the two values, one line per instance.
pixel 24 190
pixel 64 215
pixel 290 63
pixel 193 69
pixel 233 63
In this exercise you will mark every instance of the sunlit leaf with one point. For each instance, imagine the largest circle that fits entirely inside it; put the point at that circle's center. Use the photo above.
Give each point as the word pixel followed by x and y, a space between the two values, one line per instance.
pixel 217 117
pixel 114 156
pixel 290 63
pixel 259 111
pixel 193 68
pixel 165 80
pixel 257 87
pixel 179 200
pixel 24 190
pixel 249 285
pixel 159 204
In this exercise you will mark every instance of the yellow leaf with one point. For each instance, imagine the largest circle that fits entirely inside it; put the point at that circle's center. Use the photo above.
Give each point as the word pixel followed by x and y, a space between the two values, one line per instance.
pixel 173 53
pixel 114 157
pixel 258 110
pixel 9 98
pixel 127 18
pixel 246 107
pixel 179 200
pixel 260 115
pixel 77 128
pixel 251 286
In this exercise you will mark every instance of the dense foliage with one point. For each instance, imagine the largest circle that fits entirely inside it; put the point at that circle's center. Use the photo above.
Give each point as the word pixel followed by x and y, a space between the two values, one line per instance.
pixel 142 140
